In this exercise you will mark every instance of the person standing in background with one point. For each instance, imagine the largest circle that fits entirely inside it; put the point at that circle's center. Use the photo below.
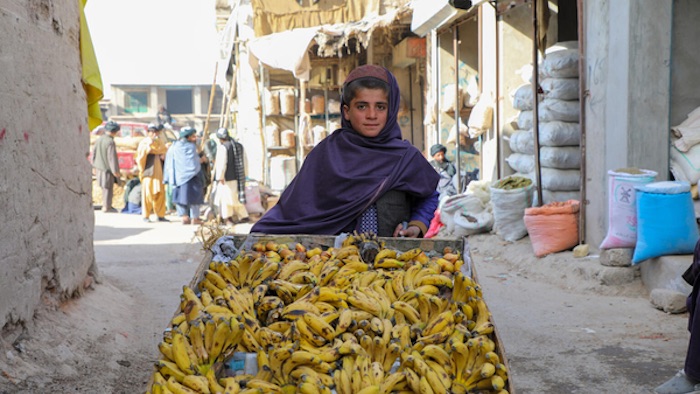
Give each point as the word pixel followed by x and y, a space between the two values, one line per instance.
pixel 230 178
pixel 150 163
pixel 106 163
pixel 445 169
pixel 183 171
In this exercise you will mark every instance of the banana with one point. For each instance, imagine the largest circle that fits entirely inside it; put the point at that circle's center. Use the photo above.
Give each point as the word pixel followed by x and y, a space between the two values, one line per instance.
pixel 385 253
pixel 197 383
pixel 268 271
pixel 231 386
pixel 435 280
pixel 223 330
pixel 214 385
pixel 424 386
pixel 216 279
pixel 318 325
pixel 293 266
pixel 177 388
pixel 166 349
pixel 170 369
pixel 409 276
pixel 439 355
pixel 441 322
pixel 209 329
pixel 267 387
pixel 372 389
pixel 181 353
pixel 196 337
pixel 223 270
pixel 327 274
pixel 387 385
pixel 328 294
pixel 346 251
pixel 389 263
pixel 408 311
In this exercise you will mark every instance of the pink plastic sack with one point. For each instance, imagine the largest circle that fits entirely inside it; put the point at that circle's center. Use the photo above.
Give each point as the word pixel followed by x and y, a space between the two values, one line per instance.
pixel 553 227
pixel 622 206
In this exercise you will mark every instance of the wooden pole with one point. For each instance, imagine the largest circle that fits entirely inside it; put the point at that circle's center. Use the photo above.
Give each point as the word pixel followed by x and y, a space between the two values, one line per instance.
pixel 535 111
pixel 227 112
pixel 583 95
pixel 212 93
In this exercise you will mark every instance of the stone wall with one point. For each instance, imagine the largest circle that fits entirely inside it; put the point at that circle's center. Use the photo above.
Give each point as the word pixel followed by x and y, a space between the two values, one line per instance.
pixel 46 234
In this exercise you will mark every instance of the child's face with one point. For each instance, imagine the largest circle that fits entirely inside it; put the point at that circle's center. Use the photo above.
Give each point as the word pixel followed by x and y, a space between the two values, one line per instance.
pixel 368 111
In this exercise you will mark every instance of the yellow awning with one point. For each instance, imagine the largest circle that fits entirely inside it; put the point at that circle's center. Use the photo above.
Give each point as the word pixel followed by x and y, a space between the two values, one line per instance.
pixel 91 78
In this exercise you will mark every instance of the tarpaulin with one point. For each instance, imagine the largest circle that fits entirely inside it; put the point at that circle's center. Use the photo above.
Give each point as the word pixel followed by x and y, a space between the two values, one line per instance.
pixel 274 16
pixel 91 78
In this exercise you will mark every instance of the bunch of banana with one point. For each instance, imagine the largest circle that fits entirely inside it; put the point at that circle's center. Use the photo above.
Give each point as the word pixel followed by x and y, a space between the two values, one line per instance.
pixel 361 318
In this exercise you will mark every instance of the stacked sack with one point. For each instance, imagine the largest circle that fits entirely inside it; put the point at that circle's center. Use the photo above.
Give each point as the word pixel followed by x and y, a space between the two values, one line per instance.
pixel 559 128
pixel 685 151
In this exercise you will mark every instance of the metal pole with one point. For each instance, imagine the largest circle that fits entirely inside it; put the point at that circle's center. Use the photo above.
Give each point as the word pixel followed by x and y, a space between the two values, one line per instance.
pixel 535 111
pixel 582 119
pixel 458 103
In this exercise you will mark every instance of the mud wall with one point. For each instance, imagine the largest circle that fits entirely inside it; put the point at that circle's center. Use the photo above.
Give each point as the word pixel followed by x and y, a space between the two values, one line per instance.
pixel 46 247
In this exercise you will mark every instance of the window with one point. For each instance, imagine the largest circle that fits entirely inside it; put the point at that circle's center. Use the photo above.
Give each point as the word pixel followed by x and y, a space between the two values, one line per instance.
pixel 135 102
pixel 179 101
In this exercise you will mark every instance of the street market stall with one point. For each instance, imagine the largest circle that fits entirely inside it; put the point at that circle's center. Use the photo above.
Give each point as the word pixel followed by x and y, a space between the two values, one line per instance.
pixel 352 314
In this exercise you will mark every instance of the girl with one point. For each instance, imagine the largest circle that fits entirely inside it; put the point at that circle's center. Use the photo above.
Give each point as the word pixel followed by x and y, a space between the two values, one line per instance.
pixel 363 176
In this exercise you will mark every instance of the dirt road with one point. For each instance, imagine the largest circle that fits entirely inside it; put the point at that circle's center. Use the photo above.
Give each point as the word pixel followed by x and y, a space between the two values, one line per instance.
pixel 562 333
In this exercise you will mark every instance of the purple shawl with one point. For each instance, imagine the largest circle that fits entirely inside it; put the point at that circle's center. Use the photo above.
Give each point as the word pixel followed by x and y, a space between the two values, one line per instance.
pixel 346 173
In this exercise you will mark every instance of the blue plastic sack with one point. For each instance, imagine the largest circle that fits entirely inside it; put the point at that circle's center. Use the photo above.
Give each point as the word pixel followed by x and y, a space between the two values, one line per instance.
pixel 666 222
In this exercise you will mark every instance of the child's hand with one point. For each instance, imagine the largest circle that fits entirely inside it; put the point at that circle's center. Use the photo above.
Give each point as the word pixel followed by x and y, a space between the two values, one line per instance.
pixel 408 232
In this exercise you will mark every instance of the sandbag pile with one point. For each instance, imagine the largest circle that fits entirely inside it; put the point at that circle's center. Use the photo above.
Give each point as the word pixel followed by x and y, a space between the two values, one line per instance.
pixel 559 128
pixel 685 150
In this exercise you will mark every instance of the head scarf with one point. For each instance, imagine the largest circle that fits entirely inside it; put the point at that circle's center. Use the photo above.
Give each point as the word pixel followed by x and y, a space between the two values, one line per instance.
pixel 346 173
pixel 437 148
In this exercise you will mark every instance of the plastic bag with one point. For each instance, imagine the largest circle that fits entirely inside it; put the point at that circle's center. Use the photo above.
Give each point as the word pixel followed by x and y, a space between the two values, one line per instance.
pixel 465 214
pixel 622 206
pixel 508 210
pixel 253 202
pixel 552 227
pixel 666 220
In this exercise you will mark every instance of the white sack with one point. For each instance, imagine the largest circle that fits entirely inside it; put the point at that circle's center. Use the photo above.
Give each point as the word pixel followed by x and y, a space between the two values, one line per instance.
pixel 508 211
pixel 685 166
pixel 522 97
pixel 560 88
pixel 560 64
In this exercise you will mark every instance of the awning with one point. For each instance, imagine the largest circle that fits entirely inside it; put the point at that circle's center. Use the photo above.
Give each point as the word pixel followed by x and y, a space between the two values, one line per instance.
pixel 433 14
pixel 289 50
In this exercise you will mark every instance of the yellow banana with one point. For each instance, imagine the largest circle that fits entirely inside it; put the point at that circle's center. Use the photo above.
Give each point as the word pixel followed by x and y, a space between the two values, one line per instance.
pixel 389 263
pixel 178 388
pixel 223 330
pixel 409 254
pixel 318 325
pixel 372 389
pixel 181 354
pixel 436 280
pixel 439 323
pixel 196 337
pixel 169 368
pixel 408 311
pixel 392 380
pixel 197 383
pixel 424 386
pixel 166 349
pixel 231 386
pixel 267 387
pixel 385 253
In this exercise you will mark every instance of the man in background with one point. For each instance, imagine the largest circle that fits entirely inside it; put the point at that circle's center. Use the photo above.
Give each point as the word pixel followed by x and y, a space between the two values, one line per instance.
pixel 106 163
pixel 445 169
pixel 230 179
pixel 150 162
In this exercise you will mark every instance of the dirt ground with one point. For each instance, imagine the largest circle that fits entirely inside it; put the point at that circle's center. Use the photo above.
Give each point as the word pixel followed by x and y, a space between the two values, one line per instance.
pixel 562 331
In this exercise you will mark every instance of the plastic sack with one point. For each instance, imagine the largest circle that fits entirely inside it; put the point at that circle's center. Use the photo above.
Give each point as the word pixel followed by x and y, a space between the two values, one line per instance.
pixel 253 202
pixel 465 214
pixel 666 220
pixel 622 207
pixel 560 88
pixel 561 64
pixel 508 210
pixel 552 227
pixel 685 166
pixel 522 97
pixel 481 116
